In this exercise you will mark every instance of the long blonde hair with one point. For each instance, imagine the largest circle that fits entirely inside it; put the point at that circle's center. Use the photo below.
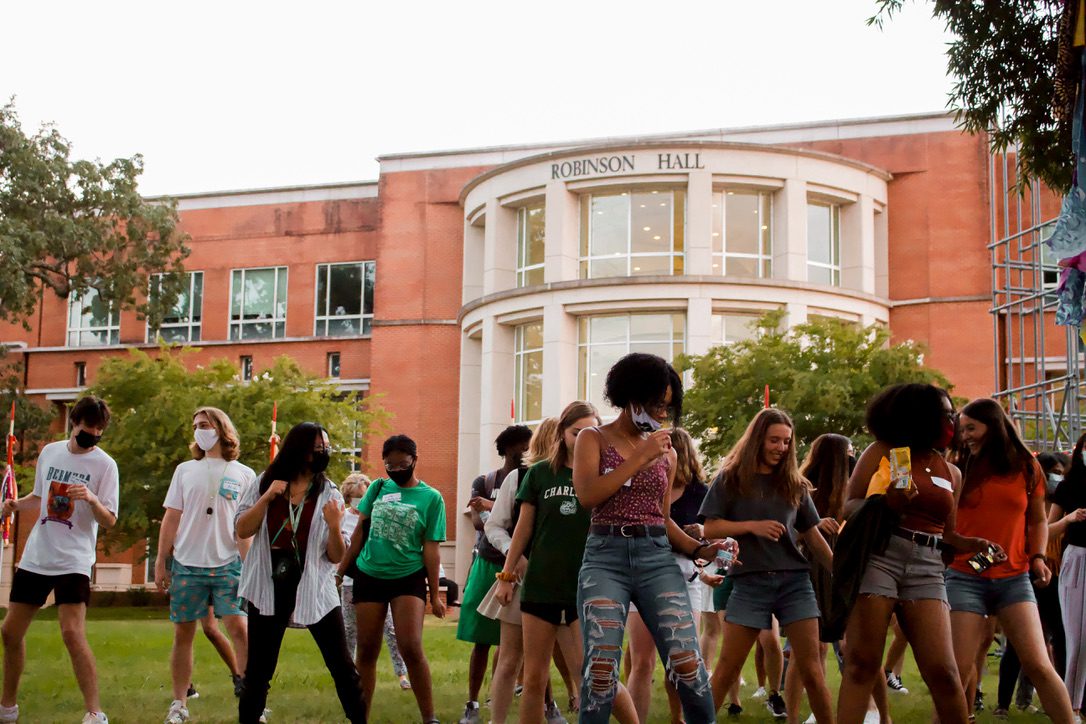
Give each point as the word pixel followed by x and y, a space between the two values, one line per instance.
pixel 741 464
pixel 228 434
pixel 687 465
pixel 539 447
pixel 559 456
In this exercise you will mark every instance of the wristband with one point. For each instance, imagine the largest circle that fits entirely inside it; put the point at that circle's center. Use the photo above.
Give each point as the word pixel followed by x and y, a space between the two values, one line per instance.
pixel 507 577
pixel 694 553
pixel 1035 556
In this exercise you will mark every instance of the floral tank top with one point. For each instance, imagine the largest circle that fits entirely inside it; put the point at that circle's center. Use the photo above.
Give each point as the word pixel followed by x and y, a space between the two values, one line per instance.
pixel 638 501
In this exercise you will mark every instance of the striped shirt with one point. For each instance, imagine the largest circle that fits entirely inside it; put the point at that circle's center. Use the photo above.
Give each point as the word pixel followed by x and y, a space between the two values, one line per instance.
pixel 317 594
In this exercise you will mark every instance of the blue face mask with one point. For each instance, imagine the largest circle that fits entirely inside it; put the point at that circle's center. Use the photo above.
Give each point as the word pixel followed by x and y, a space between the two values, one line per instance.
pixel 1054 480
pixel 643 420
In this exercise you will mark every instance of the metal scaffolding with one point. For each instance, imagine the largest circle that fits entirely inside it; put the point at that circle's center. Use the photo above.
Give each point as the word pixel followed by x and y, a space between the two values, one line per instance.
pixel 1037 363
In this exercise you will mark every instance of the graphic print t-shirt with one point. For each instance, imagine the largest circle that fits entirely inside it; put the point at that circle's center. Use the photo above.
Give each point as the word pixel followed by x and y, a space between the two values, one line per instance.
pixel 401 520
pixel 207 541
pixel 558 536
pixel 65 533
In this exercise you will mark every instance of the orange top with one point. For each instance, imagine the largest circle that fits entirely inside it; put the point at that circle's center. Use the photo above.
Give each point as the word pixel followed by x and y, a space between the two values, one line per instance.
pixel 996 510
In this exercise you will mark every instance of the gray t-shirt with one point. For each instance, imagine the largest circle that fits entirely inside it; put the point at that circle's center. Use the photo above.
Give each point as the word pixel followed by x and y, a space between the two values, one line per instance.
pixel 758 554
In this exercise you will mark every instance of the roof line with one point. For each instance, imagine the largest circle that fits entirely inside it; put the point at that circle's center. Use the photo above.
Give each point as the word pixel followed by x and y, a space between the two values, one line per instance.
pixel 262 190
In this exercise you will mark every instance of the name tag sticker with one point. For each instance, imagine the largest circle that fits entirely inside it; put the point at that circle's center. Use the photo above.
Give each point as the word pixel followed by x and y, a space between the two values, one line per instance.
pixel 494 494
pixel 942 483
pixel 391 497
pixel 230 489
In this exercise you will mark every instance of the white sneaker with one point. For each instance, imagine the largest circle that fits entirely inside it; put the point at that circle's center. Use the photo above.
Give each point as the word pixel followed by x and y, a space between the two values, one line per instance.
pixel 9 713
pixel 264 717
pixel 811 719
pixel 759 693
pixel 178 714
pixel 871 717
pixel 95 718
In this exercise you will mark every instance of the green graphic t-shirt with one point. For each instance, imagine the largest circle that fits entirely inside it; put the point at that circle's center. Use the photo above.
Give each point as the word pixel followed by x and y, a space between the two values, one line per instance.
pixel 401 519
pixel 558 537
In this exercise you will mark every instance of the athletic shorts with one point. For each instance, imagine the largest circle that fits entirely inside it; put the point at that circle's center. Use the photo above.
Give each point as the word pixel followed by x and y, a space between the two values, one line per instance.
pixel 758 597
pixel 556 614
pixel 368 589
pixel 34 588
pixel 987 596
pixel 194 588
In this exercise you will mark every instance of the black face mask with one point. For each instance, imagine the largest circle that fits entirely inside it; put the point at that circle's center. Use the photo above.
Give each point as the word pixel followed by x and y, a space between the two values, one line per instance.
pixel 86 440
pixel 319 463
pixel 401 476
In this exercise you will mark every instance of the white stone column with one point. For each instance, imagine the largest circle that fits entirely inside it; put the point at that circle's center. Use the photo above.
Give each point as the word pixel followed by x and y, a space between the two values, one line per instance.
pixel 562 234
pixel 499 248
pixel 473 262
pixel 795 313
pixel 882 253
pixel 790 231
pixel 699 325
pixel 858 245
pixel 699 222
pixel 560 373
pixel 467 450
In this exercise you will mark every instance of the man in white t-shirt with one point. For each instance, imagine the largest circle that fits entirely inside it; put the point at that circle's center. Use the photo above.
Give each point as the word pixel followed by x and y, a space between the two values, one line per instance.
pixel 199 555
pixel 75 491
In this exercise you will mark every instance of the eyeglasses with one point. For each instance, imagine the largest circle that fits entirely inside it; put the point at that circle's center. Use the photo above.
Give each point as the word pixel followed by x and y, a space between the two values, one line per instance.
pixel 322 449
pixel 400 467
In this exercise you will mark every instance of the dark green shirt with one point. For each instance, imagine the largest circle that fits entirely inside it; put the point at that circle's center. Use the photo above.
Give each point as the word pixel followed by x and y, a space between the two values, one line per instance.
pixel 558 536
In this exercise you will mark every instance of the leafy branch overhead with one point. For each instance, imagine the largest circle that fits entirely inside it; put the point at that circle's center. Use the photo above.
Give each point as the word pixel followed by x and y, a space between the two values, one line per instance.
pixel 822 372
pixel 68 226
pixel 1004 62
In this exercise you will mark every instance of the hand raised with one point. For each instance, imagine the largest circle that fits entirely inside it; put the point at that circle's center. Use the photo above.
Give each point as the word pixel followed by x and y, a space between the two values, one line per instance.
pixel 653 446
pixel 333 513
pixel 277 487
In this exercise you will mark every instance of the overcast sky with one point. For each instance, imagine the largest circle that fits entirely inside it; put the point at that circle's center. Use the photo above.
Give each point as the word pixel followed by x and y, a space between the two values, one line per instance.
pixel 233 95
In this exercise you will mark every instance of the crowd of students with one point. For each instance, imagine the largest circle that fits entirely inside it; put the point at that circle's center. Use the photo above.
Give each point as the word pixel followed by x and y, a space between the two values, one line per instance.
pixel 596 540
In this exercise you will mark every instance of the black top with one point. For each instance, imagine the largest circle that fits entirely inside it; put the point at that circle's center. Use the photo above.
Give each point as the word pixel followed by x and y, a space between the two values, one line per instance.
pixel 1071 495
pixel 684 510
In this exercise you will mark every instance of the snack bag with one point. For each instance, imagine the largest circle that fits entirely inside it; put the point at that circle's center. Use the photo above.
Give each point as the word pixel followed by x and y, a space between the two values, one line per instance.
pixel 901 469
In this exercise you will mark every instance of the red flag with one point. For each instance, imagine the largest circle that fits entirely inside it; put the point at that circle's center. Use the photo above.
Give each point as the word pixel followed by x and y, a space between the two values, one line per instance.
pixel 273 441
pixel 8 488
pixel 766 397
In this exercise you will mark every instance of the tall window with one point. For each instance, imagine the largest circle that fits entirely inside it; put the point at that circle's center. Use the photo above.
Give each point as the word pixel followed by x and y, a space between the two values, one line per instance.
pixel 344 299
pixel 182 322
pixel 632 233
pixel 258 303
pixel 824 244
pixel 603 340
pixel 530 246
pixel 743 234
pixel 733 327
pixel 528 373
pixel 91 321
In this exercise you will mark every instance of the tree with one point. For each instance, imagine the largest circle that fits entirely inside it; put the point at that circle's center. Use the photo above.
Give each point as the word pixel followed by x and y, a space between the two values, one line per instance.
pixel 71 226
pixel 1004 59
pixel 822 372
pixel 32 423
pixel 153 397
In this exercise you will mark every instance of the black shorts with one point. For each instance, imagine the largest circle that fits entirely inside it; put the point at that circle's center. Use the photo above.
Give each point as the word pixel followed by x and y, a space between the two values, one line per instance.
pixel 553 613
pixel 34 588
pixel 368 589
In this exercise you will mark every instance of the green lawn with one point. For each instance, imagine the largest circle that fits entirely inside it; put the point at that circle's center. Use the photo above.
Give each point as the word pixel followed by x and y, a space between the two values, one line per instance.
pixel 132 646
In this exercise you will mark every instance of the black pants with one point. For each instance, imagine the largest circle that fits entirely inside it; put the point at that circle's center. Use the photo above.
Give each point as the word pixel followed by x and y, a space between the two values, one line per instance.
pixel 265 638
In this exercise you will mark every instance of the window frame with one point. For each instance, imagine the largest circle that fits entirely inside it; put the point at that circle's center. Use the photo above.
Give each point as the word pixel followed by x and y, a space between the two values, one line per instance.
pixel 722 339
pixel 154 335
pixel 520 355
pixel 834 266
pixel 524 271
pixel 584 248
pixel 112 328
pixel 327 319
pixel 240 324
pixel 764 258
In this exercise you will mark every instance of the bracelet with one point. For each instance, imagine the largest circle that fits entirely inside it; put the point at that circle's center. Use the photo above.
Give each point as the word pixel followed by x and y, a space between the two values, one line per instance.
pixel 694 553
pixel 1035 556
pixel 507 577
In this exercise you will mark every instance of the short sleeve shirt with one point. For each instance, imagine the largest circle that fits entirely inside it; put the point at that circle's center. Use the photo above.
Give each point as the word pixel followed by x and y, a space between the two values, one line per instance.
pixel 1070 496
pixel 401 521
pixel 64 538
pixel 206 540
pixel 558 535
pixel 761 555
pixel 685 509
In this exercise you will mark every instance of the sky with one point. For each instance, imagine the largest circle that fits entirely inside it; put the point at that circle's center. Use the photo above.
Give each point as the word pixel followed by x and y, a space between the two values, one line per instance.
pixel 239 95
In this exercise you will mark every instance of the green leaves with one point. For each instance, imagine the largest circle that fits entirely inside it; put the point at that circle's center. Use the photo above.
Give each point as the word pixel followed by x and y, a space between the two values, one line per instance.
pixel 153 399
pixel 68 226
pixel 822 373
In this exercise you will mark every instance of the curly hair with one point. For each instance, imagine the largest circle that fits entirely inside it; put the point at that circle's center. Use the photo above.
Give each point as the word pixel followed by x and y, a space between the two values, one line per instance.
pixel 512 435
pixel 908 415
pixel 643 379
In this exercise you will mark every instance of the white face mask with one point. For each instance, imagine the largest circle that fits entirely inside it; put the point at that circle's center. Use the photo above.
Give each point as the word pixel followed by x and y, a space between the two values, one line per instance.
pixel 206 439
pixel 643 420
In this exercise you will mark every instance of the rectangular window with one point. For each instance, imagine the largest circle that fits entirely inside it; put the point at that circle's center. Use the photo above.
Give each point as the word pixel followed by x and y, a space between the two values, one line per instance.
pixel 528 373
pixel 824 244
pixel 80 374
pixel 333 364
pixel 603 340
pixel 344 299
pixel 246 363
pixel 531 228
pixel 733 327
pixel 258 303
pixel 182 322
pixel 91 321
pixel 633 233
pixel 743 234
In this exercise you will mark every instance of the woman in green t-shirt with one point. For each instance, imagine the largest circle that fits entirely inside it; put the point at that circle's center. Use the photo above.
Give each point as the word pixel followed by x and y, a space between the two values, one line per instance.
pixel 555 525
pixel 395 549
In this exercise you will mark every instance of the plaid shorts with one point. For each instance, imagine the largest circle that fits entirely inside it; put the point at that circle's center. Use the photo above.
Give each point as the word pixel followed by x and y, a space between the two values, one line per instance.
pixel 193 588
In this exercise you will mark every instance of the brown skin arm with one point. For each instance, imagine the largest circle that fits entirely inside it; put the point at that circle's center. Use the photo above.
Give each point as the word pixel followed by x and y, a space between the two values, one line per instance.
pixel 679 540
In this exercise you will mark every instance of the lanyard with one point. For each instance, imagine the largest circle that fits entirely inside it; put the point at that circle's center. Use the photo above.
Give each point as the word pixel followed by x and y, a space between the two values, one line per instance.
pixel 213 486
pixel 294 516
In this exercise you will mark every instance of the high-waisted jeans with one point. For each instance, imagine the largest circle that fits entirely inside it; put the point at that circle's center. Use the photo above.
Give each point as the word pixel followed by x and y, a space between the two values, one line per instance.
pixel 617 571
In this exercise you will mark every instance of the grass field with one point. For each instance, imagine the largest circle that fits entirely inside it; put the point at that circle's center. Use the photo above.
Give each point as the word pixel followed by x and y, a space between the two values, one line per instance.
pixel 132 646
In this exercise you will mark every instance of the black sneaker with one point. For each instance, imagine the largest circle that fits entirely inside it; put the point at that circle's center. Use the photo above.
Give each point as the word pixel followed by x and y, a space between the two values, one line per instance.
pixel 978 701
pixel 734 710
pixel 238 684
pixel 893 683
pixel 192 693
pixel 775 703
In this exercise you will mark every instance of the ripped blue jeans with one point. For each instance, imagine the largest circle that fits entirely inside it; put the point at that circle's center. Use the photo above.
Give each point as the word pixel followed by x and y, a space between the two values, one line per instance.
pixel 617 571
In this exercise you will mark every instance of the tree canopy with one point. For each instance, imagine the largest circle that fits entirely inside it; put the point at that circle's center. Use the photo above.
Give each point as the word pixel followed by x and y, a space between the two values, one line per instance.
pixel 822 372
pixel 152 398
pixel 68 226
pixel 1004 62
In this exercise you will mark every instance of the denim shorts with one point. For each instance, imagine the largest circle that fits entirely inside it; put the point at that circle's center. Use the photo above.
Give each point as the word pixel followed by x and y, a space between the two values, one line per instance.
pixel 758 597
pixel 192 588
pixel 905 571
pixel 987 596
